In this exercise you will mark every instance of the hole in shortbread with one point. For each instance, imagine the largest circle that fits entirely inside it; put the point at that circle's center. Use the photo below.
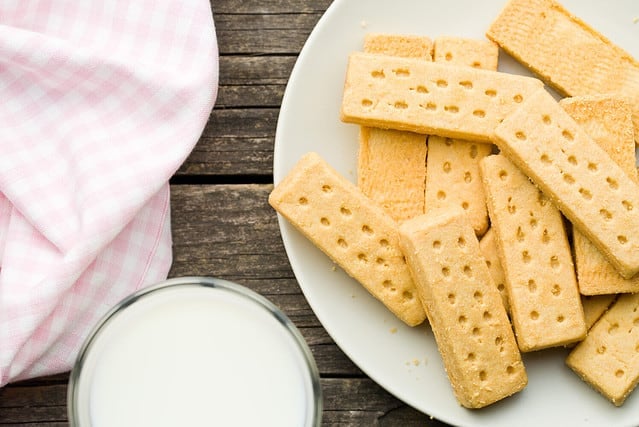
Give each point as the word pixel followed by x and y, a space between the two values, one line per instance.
pixel 451 298
pixel 488 263
pixel 613 328
pixel 380 261
pixel 533 223
pixel 468 178
pixel 366 229
pixel 400 105
pixel 479 113
pixel 525 257
pixel 441 195
pixel 585 193
pixel 448 56
pixel 499 341
pixel 518 98
pixel 468 271
pixel 362 257
pixel 442 83
pixel 569 179
pixel 503 175
pixel 465 205
pixel 466 84
pixel 478 295
pixel 476 64
pixel 431 106
pixel 545 159
pixel 445 271
pixel 383 243
pixel 542 199
pixel 532 285
pixel 605 214
pixel 626 204
pixel 476 331
pixel 534 315
pixel 572 160
pixel 554 261
pixel 592 167
pixel 487 315
pixel 367 103
pixel 325 222
pixel 402 72
pixel 461 242
pixel 619 373
pixel 520 135
pixel 510 370
pixel 556 289
pixel 601 349
pixel 327 188
pixel 446 167
pixel 612 183
pixel 560 318
pixel 546 119
pixel 387 284
pixel 462 320
pixel 451 109
pixel 408 295
pixel 303 201
pixel 378 74
pixel 511 208
pixel 437 244
pixel 345 211
pixel 470 357
pixel 622 239
pixel 422 89
pixel 491 92
pixel 473 151
pixel 520 234
pixel 567 135
pixel 342 243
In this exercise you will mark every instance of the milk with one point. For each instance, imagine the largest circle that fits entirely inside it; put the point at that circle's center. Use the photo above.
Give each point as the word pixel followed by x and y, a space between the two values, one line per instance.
pixel 191 356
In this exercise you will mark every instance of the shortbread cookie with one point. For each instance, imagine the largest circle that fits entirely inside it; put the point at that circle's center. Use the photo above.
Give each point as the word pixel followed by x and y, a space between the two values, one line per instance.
pixel 404 45
pixel 430 98
pixel 488 248
pixel 464 308
pixel 608 121
pixel 392 170
pixel 578 175
pixel 474 53
pixel 391 167
pixel 452 178
pixel 545 305
pixel 595 306
pixel 355 233
pixel 608 359
pixel 564 51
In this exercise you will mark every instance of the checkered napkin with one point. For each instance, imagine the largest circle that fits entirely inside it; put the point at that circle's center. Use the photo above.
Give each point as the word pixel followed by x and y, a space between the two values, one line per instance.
pixel 100 102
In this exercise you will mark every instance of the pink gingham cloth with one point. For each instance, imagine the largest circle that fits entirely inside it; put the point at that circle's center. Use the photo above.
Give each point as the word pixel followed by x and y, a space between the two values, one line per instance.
pixel 100 103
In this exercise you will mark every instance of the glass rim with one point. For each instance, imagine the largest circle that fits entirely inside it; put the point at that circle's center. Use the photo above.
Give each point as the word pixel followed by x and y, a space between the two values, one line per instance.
pixel 206 282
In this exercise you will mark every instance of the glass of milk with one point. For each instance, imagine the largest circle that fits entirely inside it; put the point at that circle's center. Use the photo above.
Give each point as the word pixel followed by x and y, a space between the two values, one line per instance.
pixel 195 351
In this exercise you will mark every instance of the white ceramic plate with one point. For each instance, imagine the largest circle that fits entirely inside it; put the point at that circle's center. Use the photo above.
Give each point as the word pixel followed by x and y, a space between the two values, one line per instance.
pixel 405 360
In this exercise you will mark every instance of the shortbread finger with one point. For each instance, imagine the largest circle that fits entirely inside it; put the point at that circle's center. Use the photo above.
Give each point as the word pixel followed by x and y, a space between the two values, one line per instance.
pixel 566 52
pixel 404 45
pixel 608 359
pixel 355 233
pixel 464 308
pixel 608 121
pixel 474 53
pixel 430 98
pixel 545 305
pixel 391 167
pixel 595 306
pixel 452 178
pixel 488 248
pixel 578 175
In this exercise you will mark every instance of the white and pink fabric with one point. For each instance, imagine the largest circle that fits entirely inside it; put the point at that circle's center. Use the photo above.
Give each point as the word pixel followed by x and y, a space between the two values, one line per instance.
pixel 100 103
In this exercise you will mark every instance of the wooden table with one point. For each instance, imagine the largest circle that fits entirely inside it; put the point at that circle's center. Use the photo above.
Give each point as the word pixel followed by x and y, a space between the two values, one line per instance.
pixel 222 224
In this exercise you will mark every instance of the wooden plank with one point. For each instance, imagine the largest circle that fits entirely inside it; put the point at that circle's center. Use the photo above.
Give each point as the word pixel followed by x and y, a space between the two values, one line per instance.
pixel 265 7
